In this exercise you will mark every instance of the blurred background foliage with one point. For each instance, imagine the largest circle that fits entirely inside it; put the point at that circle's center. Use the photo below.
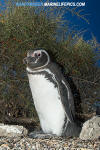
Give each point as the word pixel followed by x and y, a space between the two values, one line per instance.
pixel 27 28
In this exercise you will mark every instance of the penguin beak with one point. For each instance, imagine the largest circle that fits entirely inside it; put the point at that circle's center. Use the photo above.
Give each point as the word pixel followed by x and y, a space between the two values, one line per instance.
pixel 25 61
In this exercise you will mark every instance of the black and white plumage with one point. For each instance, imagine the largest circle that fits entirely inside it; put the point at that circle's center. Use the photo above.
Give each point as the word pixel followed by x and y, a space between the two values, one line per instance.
pixel 52 95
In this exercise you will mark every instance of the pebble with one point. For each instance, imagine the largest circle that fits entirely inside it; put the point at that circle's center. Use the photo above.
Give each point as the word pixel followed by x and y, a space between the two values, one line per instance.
pixel 26 143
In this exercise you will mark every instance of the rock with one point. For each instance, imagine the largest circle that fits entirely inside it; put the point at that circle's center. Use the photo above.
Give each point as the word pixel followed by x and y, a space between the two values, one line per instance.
pixel 12 130
pixel 91 129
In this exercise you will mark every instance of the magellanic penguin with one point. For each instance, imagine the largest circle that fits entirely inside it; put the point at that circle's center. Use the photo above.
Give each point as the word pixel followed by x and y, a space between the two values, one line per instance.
pixel 52 95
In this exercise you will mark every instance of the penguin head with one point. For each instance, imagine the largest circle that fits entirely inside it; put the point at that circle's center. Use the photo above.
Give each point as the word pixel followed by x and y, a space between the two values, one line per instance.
pixel 37 59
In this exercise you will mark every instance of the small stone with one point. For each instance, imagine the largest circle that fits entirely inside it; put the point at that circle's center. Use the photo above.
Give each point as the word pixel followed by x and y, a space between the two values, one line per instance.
pixel 91 129
pixel 4 147
pixel 12 130
pixel 83 149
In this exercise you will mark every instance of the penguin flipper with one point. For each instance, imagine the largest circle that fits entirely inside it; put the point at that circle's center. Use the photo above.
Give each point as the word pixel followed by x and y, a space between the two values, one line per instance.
pixel 65 92
pixel 71 127
pixel 67 100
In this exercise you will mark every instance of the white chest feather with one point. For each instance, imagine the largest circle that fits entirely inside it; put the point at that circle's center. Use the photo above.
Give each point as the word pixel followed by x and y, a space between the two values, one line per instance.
pixel 47 103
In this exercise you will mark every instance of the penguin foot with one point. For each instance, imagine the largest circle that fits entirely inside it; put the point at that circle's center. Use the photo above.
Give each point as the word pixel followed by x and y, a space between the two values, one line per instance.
pixel 41 135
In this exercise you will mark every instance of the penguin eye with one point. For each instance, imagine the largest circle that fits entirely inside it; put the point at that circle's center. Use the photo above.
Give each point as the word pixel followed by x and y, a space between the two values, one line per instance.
pixel 38 54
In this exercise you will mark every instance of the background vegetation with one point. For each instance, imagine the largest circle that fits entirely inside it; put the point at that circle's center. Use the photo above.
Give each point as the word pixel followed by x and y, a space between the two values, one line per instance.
pixel 22 29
